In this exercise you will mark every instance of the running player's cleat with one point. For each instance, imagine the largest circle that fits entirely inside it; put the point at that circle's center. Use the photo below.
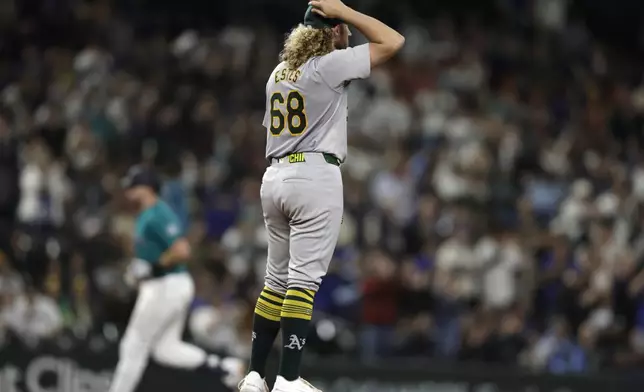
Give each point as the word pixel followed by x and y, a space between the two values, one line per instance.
pixel 299 385
pixel 253 382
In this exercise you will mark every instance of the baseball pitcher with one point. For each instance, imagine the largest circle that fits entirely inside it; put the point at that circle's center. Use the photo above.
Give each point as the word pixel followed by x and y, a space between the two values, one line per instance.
pixel 302 195
pixel 165 293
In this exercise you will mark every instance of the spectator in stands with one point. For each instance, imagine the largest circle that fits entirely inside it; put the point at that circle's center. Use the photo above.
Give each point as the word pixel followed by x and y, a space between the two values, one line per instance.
pixel 44 188
pixel 511 338
pixel 503 262
pixel 9 178
pixel 416 309
pixel 567 356
pixel 380 293
pixel 33 316
pixel 11 282
pixel 80 299
pixel 478 338
pixel 458 266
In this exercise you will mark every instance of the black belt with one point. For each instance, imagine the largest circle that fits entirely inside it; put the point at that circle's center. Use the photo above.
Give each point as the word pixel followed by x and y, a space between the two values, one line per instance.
pixel 297 157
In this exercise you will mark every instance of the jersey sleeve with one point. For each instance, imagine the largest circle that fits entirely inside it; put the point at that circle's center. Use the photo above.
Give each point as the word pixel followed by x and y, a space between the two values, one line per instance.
pixel 167 229
pixel 344 65
pixel 266 121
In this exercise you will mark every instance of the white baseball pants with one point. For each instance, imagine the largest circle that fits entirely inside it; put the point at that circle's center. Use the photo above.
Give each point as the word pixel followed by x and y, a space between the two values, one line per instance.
pixel 155 328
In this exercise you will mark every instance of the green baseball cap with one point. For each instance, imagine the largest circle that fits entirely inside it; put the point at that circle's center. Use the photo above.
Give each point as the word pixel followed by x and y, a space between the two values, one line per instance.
pixel 318 21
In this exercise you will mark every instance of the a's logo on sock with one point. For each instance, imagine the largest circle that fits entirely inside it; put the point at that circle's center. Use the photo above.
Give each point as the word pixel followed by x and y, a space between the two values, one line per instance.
pixel 296 343
pixel 254 336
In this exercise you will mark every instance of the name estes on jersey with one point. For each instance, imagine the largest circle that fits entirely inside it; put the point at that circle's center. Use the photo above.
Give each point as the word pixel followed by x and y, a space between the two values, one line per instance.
pixel 290 75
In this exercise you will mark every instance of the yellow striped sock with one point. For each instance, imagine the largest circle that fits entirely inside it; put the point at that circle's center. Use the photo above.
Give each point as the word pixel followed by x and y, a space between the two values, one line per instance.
pixel 269 304
pixel 298 304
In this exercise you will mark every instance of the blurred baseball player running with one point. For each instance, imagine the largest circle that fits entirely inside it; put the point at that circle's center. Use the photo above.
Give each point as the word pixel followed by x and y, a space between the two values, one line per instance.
pixel 302 195
pixel 165 293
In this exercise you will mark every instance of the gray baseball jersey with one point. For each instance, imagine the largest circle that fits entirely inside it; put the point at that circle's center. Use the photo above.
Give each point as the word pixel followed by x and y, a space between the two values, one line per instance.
pixel 306 108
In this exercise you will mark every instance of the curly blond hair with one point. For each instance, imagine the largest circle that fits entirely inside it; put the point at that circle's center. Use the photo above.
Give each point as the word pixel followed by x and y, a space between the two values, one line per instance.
pixel 304 42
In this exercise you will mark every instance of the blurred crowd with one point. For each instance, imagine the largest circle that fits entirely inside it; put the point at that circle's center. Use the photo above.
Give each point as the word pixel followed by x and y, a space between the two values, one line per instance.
pixel 494 189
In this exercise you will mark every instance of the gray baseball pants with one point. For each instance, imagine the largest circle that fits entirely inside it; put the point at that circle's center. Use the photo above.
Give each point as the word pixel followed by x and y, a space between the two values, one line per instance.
pixel 302 201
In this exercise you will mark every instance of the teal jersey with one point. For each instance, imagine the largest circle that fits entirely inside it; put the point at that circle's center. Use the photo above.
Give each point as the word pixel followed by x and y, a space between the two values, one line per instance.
pixel 157 228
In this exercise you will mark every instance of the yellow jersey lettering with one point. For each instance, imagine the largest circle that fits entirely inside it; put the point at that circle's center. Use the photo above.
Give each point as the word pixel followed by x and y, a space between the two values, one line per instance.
pixel 296 158
pixel 287 74
pixel 295 76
